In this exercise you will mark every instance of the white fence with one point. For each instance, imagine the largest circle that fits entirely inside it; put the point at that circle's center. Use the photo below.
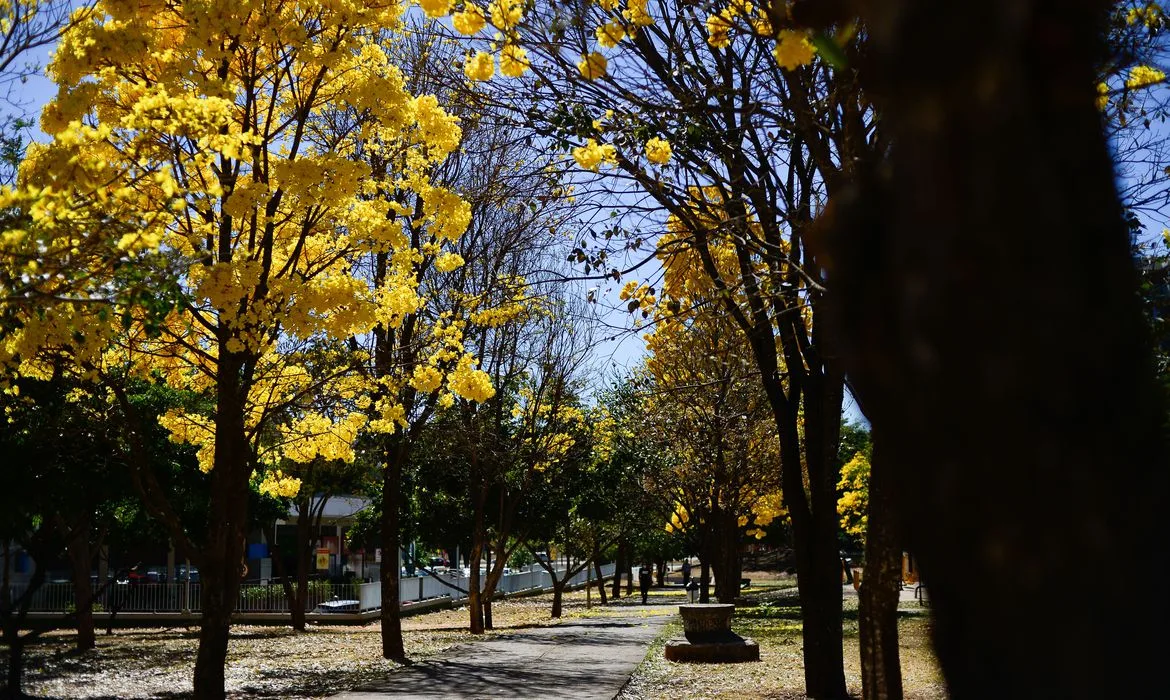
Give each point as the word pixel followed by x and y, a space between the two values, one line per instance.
pixel 271 598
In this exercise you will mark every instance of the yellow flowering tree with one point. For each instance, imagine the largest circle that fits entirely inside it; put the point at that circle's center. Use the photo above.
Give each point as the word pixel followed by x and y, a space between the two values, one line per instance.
pixel 706 410
pixel 658 100
pixel 189 157
pixel 461 238
pixel 853 505
pixel 525 435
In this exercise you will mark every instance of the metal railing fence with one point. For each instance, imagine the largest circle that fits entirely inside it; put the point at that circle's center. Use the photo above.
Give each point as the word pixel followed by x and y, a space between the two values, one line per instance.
pixel 271 598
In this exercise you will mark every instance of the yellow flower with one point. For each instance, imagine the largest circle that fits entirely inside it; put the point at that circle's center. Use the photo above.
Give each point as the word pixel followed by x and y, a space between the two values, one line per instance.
pixel 592 65
pixel 513 61
pixel 506 14
pixel 658 151
pixel 610 33
pixel 793 49
pixel 1102 96
pixel 426 379
pixel 719 29
pixel 481 66
pixel 470 383
pixel 1144 76
pixel 470 21
pixel 448 262
pixel 637 14
pixel 435 8
pixel 593 154
pixel 277 485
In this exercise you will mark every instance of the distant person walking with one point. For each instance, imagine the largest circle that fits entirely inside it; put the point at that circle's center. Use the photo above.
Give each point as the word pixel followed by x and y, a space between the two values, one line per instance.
pixel 644 582
pixel 686 571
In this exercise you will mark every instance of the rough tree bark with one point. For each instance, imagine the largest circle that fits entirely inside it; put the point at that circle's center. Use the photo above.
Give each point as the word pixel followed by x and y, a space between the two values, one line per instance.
pixel 617 569
pixel 988 309
pixel 227 515
pixel 600 578
pixel 299 599
pixel 705 578
pixel 80 557
pixel 881 670
pixel 394 455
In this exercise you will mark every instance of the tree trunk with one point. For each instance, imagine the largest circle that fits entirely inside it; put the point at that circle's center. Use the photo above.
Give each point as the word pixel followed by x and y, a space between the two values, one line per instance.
pixel 600 579
pixel 220 587
pixel 558 591
pixel 818 568
pixel 15 676
pixel 881 671
pixel 989 306
pixel 660 572
pixel 227 515
pixel 474 595
pixel 394 453
pixel 278 564
pixel 809 481
pixel 300 600
pixel 80 558
pixel 727 569
pixel 619 562
pixel 489 590
pixel 705 579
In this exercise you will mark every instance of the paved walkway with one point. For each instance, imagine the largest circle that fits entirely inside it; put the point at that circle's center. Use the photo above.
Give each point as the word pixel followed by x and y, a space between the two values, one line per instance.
pixel 582 658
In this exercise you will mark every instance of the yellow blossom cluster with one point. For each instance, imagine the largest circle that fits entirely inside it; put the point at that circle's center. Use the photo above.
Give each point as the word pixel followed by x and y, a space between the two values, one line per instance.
pixel 279 485
pixel 592 65
pixel 658 151
pixel 793 49
pixel 1149 15
pixel 1144 76
pixel 853 505
pixel 593 154
pixel 679 519
pixel 471 383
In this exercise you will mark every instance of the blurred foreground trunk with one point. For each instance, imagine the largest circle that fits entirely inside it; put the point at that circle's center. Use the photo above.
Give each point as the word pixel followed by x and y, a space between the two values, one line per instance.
pixel 988 308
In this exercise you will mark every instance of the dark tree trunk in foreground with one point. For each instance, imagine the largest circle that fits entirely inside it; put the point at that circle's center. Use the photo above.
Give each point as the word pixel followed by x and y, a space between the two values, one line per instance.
pixel 989 311
pixel 14 678
pixel 227 515
pixel 394 455
pixel 302 546
pixel 220 587
pixel 12 616
pixel 881 670
pixel 474 585
pixel 80 558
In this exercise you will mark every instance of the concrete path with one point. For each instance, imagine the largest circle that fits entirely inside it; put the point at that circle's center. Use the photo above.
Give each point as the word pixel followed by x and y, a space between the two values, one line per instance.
pixel 585 658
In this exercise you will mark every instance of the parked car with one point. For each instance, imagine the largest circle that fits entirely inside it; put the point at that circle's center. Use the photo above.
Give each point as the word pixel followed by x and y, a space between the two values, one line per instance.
pixel 156 574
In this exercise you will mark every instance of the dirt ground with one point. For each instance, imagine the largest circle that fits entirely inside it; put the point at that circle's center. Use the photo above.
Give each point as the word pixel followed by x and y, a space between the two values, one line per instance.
pixel 279 663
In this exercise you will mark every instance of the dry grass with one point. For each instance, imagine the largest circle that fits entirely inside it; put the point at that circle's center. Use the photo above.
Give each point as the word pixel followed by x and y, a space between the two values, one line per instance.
pixel 276 662
pixel 262 661
pixel 780 671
